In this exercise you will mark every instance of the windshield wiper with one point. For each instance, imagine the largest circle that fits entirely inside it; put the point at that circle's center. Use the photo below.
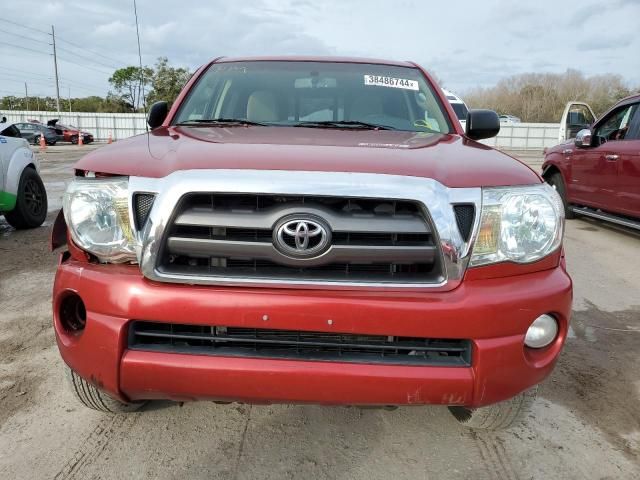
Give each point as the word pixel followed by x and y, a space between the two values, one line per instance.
pixel 228 122
pixel 344 124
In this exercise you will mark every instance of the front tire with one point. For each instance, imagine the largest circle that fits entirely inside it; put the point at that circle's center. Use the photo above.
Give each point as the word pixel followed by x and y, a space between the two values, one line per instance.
pixel 498 416
pixel 91 397
pixel 31 204
pixel 556 181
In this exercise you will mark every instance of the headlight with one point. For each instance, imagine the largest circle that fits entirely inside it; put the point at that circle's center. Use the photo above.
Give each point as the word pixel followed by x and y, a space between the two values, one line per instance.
pixel 97 213
pixel 518 224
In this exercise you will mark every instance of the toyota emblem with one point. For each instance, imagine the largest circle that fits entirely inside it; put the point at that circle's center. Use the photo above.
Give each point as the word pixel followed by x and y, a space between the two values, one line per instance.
pixel 302 236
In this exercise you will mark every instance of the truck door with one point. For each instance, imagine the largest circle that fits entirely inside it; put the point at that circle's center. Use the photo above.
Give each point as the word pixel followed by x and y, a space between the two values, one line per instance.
pixel 596 169
pixel 589 173
pixel 628 152
pixel 576 116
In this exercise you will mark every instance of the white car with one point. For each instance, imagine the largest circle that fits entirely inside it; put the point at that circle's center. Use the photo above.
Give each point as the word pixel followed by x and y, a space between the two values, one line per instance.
pixel 510 119
pixel 459 107
pixel 23 198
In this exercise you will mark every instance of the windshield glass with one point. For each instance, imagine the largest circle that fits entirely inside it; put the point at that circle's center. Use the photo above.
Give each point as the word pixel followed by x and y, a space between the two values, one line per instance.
pixel 461 110
pixel 299 93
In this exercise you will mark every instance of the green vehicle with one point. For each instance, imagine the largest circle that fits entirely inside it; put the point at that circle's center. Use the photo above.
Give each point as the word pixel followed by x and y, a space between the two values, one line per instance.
pixel 23 198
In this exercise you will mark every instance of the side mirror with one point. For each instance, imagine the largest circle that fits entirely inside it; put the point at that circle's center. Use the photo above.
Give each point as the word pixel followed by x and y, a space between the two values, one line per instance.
pixel 482 124
pixel 583 138
pixel 157 114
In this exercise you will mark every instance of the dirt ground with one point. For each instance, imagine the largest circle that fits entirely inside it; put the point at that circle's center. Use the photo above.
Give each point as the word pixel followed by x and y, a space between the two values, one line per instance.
pixel 586 423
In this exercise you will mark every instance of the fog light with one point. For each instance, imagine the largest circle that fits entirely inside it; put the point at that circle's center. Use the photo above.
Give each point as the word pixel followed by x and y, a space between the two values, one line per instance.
pixel 542 332
pixel 73 315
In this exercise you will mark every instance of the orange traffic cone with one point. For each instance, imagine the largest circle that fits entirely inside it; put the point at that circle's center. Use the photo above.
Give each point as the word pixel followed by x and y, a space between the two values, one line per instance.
pixel 43 143
pixel 109 140
pixel 80 142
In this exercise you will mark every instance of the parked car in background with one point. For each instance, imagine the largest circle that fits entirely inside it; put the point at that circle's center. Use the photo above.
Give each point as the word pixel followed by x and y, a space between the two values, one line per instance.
pixel 598 173
pixel 23 199
pixel 459 107
pixel 508 119
pixel 32 132
pixel 239 252
pixel 576 116
pixel 69 133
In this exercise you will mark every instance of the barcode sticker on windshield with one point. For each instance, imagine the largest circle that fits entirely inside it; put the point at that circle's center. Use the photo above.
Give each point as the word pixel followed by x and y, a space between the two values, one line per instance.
pixel 391 82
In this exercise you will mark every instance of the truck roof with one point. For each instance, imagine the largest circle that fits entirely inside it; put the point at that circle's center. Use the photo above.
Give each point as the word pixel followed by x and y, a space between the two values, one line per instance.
pixel 311 58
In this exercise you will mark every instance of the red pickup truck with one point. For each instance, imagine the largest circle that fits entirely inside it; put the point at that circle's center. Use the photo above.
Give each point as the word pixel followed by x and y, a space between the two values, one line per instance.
pixel 597 173
pixel 311 230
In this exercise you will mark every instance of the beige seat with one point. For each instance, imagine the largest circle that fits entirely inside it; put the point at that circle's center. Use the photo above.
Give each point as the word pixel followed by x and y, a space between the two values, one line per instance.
pixel 262 106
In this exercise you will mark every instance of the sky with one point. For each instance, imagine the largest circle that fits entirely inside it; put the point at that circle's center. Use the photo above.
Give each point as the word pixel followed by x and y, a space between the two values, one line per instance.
pixel 465 43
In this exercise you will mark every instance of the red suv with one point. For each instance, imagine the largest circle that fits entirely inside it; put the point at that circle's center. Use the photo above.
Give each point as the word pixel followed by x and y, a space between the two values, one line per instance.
pixel 311 230
pixel 598 173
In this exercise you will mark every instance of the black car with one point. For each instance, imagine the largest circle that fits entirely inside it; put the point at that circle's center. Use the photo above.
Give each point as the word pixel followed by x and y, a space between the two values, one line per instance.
pixel 32 132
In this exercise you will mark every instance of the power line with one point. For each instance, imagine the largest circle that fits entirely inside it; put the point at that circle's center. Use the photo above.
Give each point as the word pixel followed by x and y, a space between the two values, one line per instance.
pixel 24 48
pixel 59 38
pixel 92 85
pixel 27 73
pixel 64 59
pixel 22 74
pixel 119 62
pixel 85 58
pixel 23 26
pixel 24 36
pixel 20 78
pixel 21 94
pixel 51 85
pixel 79 59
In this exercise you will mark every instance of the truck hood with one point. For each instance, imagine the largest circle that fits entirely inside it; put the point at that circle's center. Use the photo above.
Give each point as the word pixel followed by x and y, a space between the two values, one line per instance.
pixel 452 160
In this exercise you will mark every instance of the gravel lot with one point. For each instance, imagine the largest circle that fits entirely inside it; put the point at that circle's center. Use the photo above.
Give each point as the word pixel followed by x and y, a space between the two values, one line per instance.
pixel 586 423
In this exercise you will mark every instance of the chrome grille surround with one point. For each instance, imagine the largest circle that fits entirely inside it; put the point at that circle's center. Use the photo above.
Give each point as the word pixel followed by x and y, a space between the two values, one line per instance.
pixel 435 199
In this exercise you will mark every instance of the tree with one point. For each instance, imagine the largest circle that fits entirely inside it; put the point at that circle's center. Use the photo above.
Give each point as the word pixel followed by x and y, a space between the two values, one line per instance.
pixel 127 84
pixel 167 81
pixel 541 97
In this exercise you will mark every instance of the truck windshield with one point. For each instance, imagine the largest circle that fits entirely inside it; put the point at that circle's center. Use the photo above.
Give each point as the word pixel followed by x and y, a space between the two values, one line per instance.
pixel 314 94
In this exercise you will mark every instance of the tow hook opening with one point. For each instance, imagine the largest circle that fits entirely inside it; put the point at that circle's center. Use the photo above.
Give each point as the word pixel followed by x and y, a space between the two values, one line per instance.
pixel 73 314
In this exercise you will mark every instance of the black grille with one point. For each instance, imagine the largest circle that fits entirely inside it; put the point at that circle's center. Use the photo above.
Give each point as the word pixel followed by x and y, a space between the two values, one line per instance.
pixel 142 203
pixel 296 344
pixel 465 215
pixel 232 235
pixel 336 271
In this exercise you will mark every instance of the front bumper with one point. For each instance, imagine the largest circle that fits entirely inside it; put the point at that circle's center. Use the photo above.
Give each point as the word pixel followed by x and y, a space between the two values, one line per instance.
pixel 493 313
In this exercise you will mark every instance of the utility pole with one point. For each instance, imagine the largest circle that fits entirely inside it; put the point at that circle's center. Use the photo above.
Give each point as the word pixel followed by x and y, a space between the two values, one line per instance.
pixel 55 65
pixel 26 94
pixel 69 99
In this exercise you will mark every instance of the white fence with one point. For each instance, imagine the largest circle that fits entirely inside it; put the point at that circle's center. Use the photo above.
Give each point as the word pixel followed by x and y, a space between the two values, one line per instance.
pixel 525 136
pixel 119 125
pixel 519 136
